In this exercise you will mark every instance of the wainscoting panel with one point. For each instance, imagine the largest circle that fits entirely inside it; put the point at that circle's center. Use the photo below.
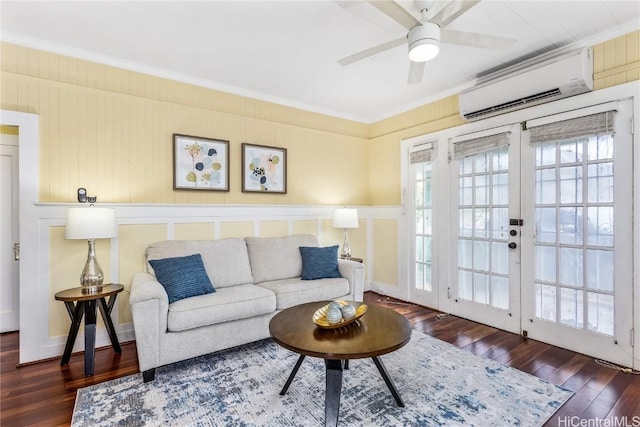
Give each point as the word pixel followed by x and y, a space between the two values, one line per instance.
pixel 59 262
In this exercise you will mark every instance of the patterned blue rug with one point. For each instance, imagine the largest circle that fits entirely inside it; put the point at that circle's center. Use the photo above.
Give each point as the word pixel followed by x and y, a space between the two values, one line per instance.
pixel 441 385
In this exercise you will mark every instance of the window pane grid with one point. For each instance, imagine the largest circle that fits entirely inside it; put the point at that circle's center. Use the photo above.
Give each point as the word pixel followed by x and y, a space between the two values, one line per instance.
pixel 483 262
pixel 423 224
pixel 574 232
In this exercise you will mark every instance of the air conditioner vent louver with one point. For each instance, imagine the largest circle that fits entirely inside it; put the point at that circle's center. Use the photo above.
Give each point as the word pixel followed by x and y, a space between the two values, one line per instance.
pixel 553 78
pixel 513 105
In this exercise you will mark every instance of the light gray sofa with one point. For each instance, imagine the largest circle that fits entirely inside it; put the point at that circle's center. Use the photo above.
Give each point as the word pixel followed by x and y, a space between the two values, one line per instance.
pixel 254 278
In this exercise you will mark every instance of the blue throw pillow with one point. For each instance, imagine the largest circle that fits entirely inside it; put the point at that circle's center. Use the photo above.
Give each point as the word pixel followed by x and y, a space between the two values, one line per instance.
pixel 182 277
pixel 319 263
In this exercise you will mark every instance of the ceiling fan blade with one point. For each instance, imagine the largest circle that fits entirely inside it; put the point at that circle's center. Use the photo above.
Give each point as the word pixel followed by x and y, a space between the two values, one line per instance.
pixel 372 51
pixel 452 11
pixel 416 70
pixel 396 12
pixel 483 41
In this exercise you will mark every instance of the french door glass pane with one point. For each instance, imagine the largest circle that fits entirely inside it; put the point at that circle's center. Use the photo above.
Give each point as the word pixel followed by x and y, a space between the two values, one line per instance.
pixel 500 292
pixel 600 148
pixel 600 313
pixel 465 284
pixel 600 226
pixel 423 224
pixel 600 270
pixel 499 258
pixel 483 228
pixel 571 307
pixel 570 185
pixel 571 266
pixel 500 223
pixel 570 224
pixel 546 263
pixel 546 302
pixel 465 254
pixel 546 225
pixel 600 181
pixel 574 257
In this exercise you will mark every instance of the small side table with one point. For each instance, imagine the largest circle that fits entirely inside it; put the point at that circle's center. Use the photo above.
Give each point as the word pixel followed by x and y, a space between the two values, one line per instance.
pixel 80 305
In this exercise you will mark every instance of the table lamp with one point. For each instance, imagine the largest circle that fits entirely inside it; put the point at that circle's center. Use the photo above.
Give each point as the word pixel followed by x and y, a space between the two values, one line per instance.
pixel 91 223
pixel 345 218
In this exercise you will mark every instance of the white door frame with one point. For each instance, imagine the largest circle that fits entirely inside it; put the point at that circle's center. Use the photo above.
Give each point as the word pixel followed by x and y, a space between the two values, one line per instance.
pixel 30 277
pixel 554 332
pixel 506 319
pixel 624 91
pixel 9 319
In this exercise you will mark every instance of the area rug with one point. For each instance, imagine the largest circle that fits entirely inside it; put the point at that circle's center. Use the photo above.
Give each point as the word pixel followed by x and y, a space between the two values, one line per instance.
pixel 441 385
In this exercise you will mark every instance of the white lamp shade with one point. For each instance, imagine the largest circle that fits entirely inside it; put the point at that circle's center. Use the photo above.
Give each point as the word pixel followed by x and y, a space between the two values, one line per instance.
pixel 424 42
pixel 345 218
pixel 90 223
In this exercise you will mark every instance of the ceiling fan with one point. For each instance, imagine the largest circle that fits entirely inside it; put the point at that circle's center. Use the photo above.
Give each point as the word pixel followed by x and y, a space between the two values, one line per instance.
pixel 425 34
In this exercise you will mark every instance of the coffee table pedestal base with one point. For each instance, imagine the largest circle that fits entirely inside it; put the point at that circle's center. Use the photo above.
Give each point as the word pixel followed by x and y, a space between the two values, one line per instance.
pixel 333 390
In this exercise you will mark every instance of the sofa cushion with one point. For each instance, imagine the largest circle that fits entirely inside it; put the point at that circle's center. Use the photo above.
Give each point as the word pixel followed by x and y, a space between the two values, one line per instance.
pixel 182 277
pixel 230 303
pixel 275 258
pixel 319 263
pixel 290 292
pixel 226 260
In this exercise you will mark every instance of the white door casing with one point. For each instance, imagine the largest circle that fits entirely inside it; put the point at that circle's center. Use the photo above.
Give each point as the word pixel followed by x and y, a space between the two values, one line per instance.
pixel 9 230
pixel 484 197
pixel 34 298
pixel 576 289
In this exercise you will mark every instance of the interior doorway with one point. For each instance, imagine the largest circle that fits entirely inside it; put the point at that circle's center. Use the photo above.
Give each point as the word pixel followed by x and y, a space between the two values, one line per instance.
pixel 9 230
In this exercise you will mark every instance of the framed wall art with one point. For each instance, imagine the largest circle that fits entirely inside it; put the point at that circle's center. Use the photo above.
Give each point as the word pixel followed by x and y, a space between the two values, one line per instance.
pixel 264 169
pixel 200 163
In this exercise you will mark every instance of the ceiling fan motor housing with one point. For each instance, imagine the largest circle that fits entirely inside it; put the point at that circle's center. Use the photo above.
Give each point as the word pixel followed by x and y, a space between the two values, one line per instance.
pixel 424 42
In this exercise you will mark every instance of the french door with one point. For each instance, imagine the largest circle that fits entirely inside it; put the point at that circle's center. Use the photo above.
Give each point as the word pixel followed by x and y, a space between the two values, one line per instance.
pixel 421 173
pixel 485 227
pixel 576 282
pixel 540 238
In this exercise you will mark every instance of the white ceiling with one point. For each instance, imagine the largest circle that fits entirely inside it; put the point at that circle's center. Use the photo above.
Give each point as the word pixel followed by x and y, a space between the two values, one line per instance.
pixel 286 51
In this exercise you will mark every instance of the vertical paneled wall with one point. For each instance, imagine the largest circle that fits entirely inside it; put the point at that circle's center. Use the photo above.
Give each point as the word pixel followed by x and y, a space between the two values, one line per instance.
pixel 110 131
pixel 617 61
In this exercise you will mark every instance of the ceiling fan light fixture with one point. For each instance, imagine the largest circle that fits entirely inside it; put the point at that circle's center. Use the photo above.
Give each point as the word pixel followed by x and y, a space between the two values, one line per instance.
pixel 424 42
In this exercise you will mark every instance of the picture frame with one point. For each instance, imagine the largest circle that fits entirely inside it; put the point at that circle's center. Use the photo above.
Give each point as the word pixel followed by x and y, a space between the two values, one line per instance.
pixel 264 169
pixel 200 163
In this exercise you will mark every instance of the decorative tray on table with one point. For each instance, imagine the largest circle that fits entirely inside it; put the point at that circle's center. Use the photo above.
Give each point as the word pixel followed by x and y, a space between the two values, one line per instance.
pixel 320 316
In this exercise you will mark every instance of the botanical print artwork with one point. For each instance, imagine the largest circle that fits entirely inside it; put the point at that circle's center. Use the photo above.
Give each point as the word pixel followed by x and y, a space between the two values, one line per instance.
pixel 201 163
pixel 264 169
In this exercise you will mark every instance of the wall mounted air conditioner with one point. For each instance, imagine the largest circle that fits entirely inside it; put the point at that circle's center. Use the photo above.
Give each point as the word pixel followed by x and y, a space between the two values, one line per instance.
pixel 524 85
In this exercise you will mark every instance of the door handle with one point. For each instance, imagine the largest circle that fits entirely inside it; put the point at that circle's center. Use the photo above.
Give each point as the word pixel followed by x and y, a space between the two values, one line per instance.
pixel 512 245
pixel 16 251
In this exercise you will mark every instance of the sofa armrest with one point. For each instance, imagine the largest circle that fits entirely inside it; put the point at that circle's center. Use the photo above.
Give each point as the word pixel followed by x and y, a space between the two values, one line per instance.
pixel 354 272
pixel 149 308
pixel 145 287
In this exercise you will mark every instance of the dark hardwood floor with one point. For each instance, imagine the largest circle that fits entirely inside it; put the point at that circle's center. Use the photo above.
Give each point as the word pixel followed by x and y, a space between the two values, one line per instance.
pixel 43 393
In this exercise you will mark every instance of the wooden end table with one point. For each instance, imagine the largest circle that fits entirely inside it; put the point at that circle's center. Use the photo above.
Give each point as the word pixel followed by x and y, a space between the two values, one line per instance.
pixel 379 331
pixel 80 304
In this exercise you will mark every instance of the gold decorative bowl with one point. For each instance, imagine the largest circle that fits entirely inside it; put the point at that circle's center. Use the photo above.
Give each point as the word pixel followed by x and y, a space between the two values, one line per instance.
pixel 320 316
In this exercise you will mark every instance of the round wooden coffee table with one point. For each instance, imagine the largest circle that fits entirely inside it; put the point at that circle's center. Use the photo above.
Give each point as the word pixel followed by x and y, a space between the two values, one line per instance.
pixel 379 331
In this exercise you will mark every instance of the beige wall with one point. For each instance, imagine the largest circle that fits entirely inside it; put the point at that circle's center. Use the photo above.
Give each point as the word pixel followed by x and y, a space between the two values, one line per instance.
pixel 109 130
